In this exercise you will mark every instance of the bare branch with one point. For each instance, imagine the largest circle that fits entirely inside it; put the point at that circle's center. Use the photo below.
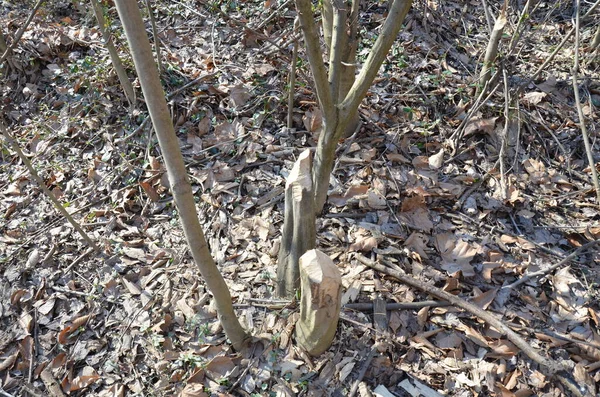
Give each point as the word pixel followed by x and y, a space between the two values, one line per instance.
pixel 36 177
pixel 315 58
pixel 21 31
pixel 338 43
pixel 389 31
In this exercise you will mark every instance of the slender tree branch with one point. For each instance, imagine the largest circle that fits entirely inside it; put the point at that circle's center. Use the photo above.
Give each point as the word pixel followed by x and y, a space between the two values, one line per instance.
pixel 155 36
pixel 517 32
pixel 338 43
pixel 21 31
pixel 315 58
pixel 491 51
pixel 114 55
pixel 389 32
pixel 154 95
pixel 36 177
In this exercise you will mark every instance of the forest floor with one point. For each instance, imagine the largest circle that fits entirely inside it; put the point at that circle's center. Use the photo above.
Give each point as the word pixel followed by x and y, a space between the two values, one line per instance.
pixel 137 320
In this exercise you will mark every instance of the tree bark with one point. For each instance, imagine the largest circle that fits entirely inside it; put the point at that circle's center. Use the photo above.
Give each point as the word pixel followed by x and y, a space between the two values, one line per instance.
pixel 346 50
pixel 178 180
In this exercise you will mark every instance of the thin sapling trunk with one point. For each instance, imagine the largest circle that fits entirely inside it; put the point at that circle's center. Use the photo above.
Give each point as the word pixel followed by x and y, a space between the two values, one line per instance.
pixel 178 179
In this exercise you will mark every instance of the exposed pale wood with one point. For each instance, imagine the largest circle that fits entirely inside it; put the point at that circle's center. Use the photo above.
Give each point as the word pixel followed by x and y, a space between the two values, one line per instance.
pixel 298 234
pixel 321 288
pixel 154 95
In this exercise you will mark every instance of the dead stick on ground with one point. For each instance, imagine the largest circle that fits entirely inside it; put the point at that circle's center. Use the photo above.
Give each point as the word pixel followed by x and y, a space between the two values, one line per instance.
pixel 529 276
pixel 44 188
pixel 5 394
pixel 21 31
pixel 553 368
pixel 363 371
pixel 368 306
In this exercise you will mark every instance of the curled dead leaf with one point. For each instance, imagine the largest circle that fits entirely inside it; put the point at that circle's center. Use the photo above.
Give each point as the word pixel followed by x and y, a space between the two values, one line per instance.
pixel 65 333
pixel 87 377
pixel 364 244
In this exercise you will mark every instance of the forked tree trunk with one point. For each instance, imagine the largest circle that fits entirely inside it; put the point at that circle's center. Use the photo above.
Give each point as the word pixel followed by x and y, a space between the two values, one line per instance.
pixel 339 111
pixel 331 9
pixel 178 180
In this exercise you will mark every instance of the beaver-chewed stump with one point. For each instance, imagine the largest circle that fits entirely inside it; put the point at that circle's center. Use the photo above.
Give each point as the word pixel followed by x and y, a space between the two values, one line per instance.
pixel 321 289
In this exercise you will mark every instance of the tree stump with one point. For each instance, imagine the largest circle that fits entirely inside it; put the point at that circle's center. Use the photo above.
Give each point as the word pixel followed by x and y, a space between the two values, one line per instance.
pixel 298 235
pixel 321 288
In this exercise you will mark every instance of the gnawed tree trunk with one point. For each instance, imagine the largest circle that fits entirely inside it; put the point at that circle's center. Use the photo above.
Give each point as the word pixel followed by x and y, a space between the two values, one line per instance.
pixel 339 111
pixel 321 287
pixel 178 180
pixel 298 235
